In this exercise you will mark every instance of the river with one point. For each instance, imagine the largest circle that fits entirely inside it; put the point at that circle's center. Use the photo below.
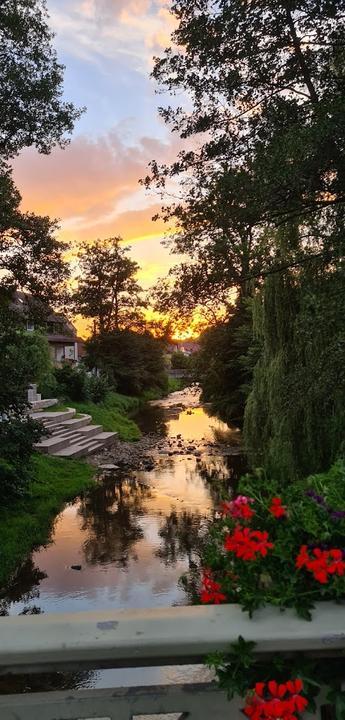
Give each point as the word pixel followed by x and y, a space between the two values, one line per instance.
pixel 129 540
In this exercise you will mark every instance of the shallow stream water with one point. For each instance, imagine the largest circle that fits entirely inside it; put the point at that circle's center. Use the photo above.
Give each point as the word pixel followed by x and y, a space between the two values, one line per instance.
pixel 129 540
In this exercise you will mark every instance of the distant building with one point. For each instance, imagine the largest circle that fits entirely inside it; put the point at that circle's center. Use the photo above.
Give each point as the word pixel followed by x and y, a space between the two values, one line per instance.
pixel 64 343
pixel 187 347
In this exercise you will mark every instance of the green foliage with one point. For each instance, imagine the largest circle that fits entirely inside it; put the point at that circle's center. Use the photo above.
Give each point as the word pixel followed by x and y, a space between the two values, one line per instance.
pixel 266 112
pixel 131 361
pixel 180 361
pixel 107 289
pixel 77 385
pixel 30 255
pixel 48 387
pixel 175 384
pixel 28 522
pixel 224 364
pixel 240 669
pixel 112 414
pixel 17 437
pixel 71 382
pixel 314 516
pixel 24 358
pixel 295 415
pixel 97 388
pixel 32 111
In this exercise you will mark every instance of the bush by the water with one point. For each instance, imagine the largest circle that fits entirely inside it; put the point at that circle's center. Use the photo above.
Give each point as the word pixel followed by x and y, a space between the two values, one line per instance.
pixel 132 362
pixel 224 364
pixel 180 361
pixel 17 437
pixel 24 358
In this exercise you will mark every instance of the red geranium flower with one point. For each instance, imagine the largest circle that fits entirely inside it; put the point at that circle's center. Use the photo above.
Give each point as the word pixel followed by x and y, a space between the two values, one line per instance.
pixel 322 564
pixel 277 508
pixel 211 592
pixel 270 701
pixel 248 544
pixel 238 508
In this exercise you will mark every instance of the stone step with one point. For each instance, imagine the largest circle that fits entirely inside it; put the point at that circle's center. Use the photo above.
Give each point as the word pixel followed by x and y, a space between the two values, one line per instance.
pixel 87 447
pixel 90 430
pixel 83 433
pixel 65 430
pixel 38 405
pixel 78 422
pixel 78 451
pixel 57 442
pixel 106 438
pixel 50 419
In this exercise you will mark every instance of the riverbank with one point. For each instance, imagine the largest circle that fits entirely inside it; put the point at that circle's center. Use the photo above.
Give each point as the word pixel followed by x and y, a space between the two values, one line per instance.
pixel 115 412
pixel 57 481
pixel 29 523
pixel 145 454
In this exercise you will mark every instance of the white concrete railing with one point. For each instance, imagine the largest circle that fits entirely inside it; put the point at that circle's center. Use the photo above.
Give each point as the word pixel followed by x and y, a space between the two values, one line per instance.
pixel 138 638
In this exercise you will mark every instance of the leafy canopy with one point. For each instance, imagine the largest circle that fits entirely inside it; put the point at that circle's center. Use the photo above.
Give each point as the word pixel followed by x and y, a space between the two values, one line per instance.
pixel 107 288
pixel 264 128
pixel 32 111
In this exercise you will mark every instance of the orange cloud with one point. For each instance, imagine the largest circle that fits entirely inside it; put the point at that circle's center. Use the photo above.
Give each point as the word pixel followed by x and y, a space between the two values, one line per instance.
pixel 93 185
pixel 92 188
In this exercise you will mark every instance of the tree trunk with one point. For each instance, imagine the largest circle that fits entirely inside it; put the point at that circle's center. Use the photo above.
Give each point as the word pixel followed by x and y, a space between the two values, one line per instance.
pixel 301 59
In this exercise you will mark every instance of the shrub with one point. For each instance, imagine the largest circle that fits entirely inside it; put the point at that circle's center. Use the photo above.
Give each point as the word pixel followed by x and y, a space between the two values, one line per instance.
pixel 72 382
pixel 133 362
pixel 17 437
pixel 97 388
pixel 180 361
pixel 49 386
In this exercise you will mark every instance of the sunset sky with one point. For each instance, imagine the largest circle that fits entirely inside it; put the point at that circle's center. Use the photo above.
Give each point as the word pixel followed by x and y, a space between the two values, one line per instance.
pixel 92 186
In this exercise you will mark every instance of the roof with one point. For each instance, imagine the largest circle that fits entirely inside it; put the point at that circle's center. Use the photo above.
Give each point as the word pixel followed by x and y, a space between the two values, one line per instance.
pixel 23 301
pixel 69 339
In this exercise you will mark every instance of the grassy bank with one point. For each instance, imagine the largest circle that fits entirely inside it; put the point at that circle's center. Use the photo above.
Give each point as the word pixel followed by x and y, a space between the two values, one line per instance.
pixel 28 523
pixel 113 414
pixel 115 411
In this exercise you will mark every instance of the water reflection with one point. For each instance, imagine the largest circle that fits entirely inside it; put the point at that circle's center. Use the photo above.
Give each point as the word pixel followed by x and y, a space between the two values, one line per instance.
pixel 181 536
pixel 152 420
pixel 128 542
pixel 24 589
pixel 110 519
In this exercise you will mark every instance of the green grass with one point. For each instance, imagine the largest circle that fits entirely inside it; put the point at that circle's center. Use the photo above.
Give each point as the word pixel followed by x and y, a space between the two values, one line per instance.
pixel 28 523
pixel 112 414
pixel 175 384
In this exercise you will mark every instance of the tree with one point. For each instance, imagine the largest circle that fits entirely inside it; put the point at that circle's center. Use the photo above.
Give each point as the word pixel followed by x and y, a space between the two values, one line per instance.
pixel 264 84
pixel 31 258
pixel 224 364
pixel 259 205
pixel 24 358
pixel 295 414
pixel 180 361
pixel 107 290
pixel 132 362
pixel 32 111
